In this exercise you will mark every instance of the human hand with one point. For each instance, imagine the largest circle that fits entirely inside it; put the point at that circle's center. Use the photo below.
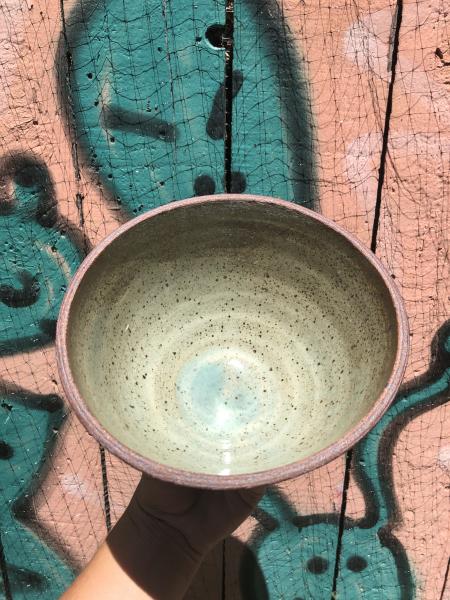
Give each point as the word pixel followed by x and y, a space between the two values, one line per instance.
pixel 202 517
pixel 167 530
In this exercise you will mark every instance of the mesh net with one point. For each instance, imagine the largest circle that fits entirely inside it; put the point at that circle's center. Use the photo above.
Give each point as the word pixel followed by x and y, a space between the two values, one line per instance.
pixel 111 109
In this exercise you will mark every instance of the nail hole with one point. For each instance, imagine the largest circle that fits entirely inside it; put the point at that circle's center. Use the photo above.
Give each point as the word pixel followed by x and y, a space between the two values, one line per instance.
pixel 214 35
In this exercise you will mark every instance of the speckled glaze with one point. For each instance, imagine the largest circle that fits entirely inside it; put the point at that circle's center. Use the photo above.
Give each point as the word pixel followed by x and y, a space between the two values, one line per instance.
pixel 230 341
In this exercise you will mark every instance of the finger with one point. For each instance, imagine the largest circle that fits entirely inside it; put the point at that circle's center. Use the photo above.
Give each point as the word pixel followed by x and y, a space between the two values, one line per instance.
pixel 164 497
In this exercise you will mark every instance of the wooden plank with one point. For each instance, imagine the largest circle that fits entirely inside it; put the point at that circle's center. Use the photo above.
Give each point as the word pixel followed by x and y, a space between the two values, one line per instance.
pixel 413 243
pixel 47 514
pixel 144 106
pixel 301 120
pixel 142 89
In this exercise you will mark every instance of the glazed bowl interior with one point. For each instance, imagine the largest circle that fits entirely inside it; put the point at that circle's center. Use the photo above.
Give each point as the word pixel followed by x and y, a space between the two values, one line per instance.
pixel 228 337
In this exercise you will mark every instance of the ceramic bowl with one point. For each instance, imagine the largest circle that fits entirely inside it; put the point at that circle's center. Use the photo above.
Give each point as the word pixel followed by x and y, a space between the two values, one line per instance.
pixel 230 341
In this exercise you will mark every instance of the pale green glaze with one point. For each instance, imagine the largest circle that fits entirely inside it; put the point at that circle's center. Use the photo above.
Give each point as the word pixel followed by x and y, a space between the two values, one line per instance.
pixel 231 337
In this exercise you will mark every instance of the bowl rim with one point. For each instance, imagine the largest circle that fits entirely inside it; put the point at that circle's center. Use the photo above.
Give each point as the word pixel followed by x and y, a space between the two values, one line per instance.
pixel 243 480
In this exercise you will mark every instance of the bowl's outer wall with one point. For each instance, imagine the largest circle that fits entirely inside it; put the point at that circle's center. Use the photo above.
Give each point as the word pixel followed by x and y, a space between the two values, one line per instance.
pixel 112 252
